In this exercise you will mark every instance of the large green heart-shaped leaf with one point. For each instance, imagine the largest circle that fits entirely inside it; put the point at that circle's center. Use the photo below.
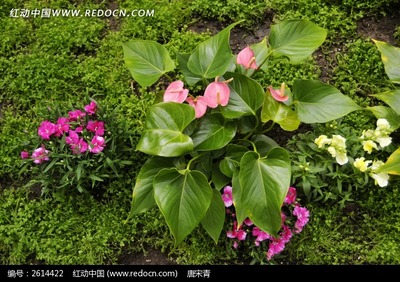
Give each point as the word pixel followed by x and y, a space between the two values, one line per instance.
pixel 234 154
pixel 147 60
pixel 392 165
pixel 296 39
pixel 213 221
pixel 317 102
pixel 164 125
pixel 143 197
pixel 265 182
pixel 183 198
pixel 246 96
pixel 190 77
pixel 387 113
pixel 212 57
pixel 391 60
pixel 392 98
pixel 279 113
pixel 213 133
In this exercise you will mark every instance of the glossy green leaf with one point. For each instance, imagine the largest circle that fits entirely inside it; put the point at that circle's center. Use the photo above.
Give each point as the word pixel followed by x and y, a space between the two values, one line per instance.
pixel 143 197
pixel 147 60
pixel 163 134
pixel 212 57
pixel 213 132
pixel 213 221
pixel 392 165
pixel 183 198
pixel 317 102
pixel 190 77
pixel 391 60
pixel 234 154
pixel 279 113
pixel 246 96
pixel 392 98
pixel 264 182
pixel 387 113
pixel 296 39
pixel 204 164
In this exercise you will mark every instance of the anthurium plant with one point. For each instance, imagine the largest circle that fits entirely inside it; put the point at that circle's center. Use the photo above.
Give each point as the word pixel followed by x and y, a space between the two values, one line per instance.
pixel 391 60
pixel 200 142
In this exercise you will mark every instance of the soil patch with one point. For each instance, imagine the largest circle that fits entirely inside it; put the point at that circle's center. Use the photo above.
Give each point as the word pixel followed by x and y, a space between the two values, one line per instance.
pixel 149 257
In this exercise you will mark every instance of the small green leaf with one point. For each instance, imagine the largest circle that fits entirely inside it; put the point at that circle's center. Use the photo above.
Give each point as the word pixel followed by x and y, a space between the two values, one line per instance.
pixel 213 221
pixel 50 165
pixel 147 61
pixel 183 198
pixel 213 133
pixel 317 102
pixel 237 197
pixel 219 179
pixel 296 39
pixel 164 125
pixel 279 113
pixel 391 60
pixel 263 144
pixel 261 53
pixel 111 164
pixel 392 98
pixel 232 159
pixel 79 172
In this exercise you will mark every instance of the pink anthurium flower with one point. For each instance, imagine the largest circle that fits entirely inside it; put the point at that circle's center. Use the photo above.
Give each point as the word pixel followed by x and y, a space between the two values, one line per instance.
pixel 246 58
pixel 278 94
pixel 217 93
pixel 199 104
pixel 175 92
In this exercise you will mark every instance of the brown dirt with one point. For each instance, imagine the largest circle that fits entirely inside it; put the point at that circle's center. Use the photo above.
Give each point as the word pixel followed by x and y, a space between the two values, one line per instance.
pixel 149 257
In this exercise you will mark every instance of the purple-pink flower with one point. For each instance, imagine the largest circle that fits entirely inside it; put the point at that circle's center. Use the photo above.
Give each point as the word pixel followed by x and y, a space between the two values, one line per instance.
pixel 96 126
pixel 24 155
pixel 79 147
pixel 61 126
pixel 227 196
pixel 261 235
pixel 199 104
pixel 76 115
pixel 236 233
pixel 291 196
pixel 302 215
pixel 97 144
pixel 46 129
pixel 72 138
pixel 286 234
pixel 275 247
pixel 40 155
pixel 175 92
pixel 246 58
pixel 91 108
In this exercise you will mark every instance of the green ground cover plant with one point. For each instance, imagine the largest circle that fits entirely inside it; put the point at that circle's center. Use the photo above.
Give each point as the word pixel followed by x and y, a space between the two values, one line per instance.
pixel 61 61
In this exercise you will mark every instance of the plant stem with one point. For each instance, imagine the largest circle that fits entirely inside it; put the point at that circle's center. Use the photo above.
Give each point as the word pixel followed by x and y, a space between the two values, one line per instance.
pixel 169 78
pixel 193 159
pixel 252 144
pixel 269 128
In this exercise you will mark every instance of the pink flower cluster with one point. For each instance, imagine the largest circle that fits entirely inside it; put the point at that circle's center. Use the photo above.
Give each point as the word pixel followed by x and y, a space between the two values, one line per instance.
pixel 275 245
pixel 216 93
pixel 75 127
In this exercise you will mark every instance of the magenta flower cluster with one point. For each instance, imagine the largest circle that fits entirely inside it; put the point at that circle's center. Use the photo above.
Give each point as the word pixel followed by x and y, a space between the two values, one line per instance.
pixel 291 209
pixel 73 127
